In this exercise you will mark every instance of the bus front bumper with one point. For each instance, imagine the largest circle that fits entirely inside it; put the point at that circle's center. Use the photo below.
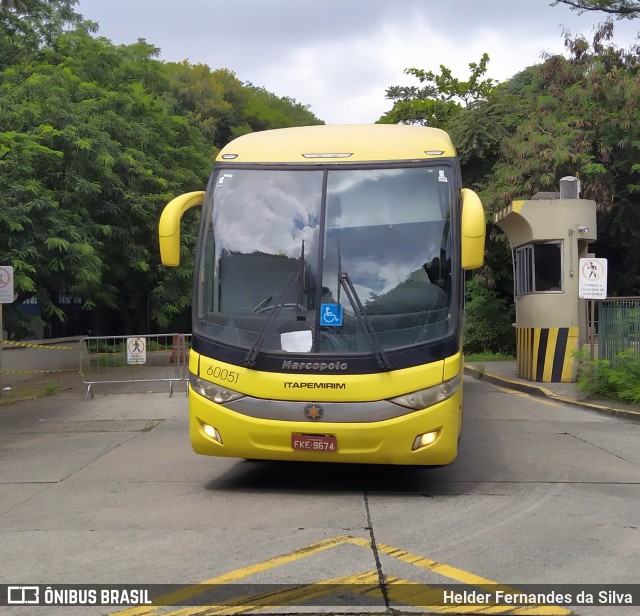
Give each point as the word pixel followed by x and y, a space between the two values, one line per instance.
pixel 218 431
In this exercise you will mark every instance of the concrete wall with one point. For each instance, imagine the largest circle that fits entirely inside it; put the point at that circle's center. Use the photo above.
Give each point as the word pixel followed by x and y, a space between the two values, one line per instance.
pixel 29 361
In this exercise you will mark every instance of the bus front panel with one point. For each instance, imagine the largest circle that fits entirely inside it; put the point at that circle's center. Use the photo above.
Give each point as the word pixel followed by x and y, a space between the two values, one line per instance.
pixel 354 418
pixel 313 276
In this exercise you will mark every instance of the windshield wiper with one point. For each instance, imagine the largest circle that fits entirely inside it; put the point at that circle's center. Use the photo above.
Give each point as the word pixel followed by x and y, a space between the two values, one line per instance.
pixel 250 359
pixel 364 320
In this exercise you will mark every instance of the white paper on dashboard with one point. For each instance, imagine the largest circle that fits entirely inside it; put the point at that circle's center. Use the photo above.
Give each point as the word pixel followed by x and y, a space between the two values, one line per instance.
pixel 296 342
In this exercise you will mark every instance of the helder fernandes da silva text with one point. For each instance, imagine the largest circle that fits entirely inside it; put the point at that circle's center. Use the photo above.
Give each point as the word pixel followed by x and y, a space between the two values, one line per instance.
pixel 583 597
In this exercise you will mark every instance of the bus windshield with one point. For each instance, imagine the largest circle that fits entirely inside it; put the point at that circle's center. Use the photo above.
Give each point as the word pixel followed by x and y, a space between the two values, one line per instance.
pixel 278 244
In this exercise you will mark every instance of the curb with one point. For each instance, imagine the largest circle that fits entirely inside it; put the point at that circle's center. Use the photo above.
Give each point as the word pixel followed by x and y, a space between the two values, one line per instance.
pixel 6 401
pixel 535 390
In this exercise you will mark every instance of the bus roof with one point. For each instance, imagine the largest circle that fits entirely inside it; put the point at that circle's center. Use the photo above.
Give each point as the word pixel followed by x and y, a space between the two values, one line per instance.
pixel 339 143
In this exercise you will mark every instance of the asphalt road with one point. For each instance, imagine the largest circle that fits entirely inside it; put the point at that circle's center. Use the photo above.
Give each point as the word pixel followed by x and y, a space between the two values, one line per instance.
pixel 108 491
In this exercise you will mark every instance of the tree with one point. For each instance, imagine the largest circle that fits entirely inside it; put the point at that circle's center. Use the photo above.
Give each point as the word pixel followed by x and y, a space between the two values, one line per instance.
pixel 17 6
pixel 26 26
pixel 89 153
pixel 265 110
pixel 579 115
pixel 488 319
pixel 225 108
pixel 575 115
pixel 622 9
pixel 213 99
pixel 438 102
pixel 94 140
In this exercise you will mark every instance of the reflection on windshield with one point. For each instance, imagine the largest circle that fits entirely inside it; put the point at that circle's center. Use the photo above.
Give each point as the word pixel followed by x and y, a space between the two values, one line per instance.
pixel 388 228
pixel 266 212
pixel 264 229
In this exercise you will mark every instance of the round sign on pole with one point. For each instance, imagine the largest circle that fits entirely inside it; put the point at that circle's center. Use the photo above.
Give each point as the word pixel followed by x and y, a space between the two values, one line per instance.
pixel 6 284
pixel 593 279
pixel 136 351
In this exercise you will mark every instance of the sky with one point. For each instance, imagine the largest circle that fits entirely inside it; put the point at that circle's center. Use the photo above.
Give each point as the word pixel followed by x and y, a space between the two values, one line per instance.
pixel 339 56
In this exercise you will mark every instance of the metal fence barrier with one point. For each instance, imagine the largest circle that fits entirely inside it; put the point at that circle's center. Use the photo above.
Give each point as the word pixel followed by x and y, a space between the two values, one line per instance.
pixel 618 326
pixel 134 359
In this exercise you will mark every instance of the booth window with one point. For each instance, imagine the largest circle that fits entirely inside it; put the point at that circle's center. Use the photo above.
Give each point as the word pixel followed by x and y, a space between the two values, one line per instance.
pixel 539 268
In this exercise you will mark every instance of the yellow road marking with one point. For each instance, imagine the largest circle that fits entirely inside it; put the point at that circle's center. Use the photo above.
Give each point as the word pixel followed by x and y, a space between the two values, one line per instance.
pixel 432 565
pixel 194 590
pixel 543 401
pixel 505 390
pixel 398 590
pixel 459 575
pixel 281 598
pixel 560 400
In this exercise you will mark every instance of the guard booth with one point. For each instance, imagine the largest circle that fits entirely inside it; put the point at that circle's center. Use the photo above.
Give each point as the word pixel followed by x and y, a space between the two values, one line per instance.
pixel 548 235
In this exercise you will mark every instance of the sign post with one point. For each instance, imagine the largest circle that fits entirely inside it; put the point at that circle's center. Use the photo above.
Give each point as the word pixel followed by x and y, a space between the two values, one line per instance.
pixel 592 286
pixel 6 297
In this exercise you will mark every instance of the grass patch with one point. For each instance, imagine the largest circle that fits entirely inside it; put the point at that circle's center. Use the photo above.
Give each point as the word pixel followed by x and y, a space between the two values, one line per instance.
pixel 617 380
pixel 488 357
pixel 27 391
pixel 114 360
pixel 50 389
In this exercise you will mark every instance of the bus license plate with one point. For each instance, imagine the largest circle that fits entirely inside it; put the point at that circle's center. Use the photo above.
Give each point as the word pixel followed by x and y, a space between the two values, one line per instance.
pixel 314 442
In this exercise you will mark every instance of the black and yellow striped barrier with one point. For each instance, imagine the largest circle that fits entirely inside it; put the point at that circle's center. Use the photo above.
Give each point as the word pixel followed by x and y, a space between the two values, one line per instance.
pixel 545 354
pixel 35 371
pixel 33 345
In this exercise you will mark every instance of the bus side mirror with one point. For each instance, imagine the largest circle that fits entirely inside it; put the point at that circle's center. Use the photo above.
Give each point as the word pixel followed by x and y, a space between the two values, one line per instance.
pixel 473 230
pixel 169 229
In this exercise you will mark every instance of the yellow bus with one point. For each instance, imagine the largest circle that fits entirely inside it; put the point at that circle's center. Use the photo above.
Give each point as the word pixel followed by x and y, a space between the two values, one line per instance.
pixel 328 295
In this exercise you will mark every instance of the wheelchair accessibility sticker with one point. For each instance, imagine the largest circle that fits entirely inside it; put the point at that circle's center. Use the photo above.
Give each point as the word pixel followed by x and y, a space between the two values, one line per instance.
pixel 330 315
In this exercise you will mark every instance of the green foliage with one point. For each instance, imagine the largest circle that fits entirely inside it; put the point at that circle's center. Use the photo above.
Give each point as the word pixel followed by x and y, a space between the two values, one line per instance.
pixel 51 389
pixel 265 110
pixel 578 116
pixel 446 87
pixel 574 115
pixel 94 140
pixel 108 361
pixel 16 323
pixel 26 26
pixel 618 380
pixel 439 102
pixel 89 154
pixel 224 108
pixel 482 357
pixel 620 8
pixel 488 320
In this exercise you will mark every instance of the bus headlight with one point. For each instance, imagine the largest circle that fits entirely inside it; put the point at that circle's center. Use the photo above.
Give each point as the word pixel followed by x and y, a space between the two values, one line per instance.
pixel 212 391
pixel 425 398
pixel 422 440
pixel 211 432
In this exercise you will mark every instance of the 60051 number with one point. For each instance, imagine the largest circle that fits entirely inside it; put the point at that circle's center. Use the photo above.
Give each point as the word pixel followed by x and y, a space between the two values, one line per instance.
pixel 223 374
